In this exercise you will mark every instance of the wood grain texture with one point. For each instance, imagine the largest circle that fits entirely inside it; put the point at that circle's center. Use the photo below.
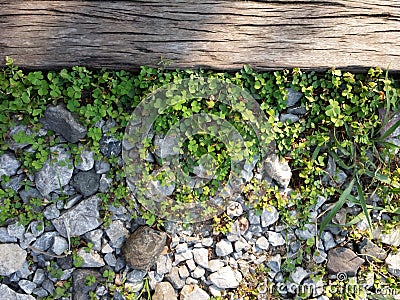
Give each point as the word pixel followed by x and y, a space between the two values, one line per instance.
pixel 213 34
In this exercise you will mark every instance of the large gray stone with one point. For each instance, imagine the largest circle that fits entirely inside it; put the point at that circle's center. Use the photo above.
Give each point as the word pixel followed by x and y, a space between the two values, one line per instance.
pixel 87 183
pixel 9 294
pixel 143 247
pixel 224 278
pixel 343 260
pixel 12 258
pixel 55 173
pixel 60 120
pixel 8 164
pixel 81 219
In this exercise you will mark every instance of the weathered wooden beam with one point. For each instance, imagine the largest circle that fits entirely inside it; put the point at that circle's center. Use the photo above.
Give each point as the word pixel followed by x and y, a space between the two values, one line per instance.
pixel 217 34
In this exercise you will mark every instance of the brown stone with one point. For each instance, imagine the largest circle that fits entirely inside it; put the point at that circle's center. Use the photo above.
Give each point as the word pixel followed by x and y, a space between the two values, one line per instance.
pixel 143 247
pixel 164 291
pixel 343 260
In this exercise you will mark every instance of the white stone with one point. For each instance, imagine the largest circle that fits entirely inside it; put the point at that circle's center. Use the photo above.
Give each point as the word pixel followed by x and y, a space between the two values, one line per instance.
pixel 223 248
pixel 12 258
pixel 224 278
pixel 276 239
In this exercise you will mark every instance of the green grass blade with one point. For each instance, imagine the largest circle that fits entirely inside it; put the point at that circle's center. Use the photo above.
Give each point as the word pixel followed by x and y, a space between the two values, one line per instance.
pixel 339 161
pixel 363 203
pixel 382 178
pixel 342 199
pixel 389 131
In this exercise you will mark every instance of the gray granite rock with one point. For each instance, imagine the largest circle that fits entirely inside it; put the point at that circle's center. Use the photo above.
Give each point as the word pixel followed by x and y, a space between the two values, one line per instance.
pixel 37 228
pixel 143 247
pixel 289 117
pixel 60 245
pixel 224 278
pixel 87 183
pixel 274 263
pixel 190 292
pixel 86 161
pixel 223 248
pixel 277 170
pixel 27 286
pixel 390 238
pixel 117 233
pixel 158 192
pixel 16 230
pixel 234 209
pixel 79 287
pixel 200 256
pixel 136 276
pixel 198 272
pixel 91 259
pixel 174 278
pixel 343 260
pixel 110 259
pixel 164 264
pixel 329 241
pixel 307 233
pixel 39 276
pixel 55 173
pixel 15 182
pixel 215 264
pixel 104 183
pixel 184 272
pixel 164 291
pixel 60 120
pixel 262 243
pixel 298 275
pixel 253 218
pixel 94 237
pixel 51 212
pixel 9 294
pixel 297 110
pixel 8 164
pixel 12 258
pixel 110 146
pixel 276 239
pixel 29 193
pixel 40 293
pixel 102 167
pixel 393 264
pixel 83 218
pixel 293 97
pixel 269 216
pixel 45 241
pixel 164 147
pixel 5 237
